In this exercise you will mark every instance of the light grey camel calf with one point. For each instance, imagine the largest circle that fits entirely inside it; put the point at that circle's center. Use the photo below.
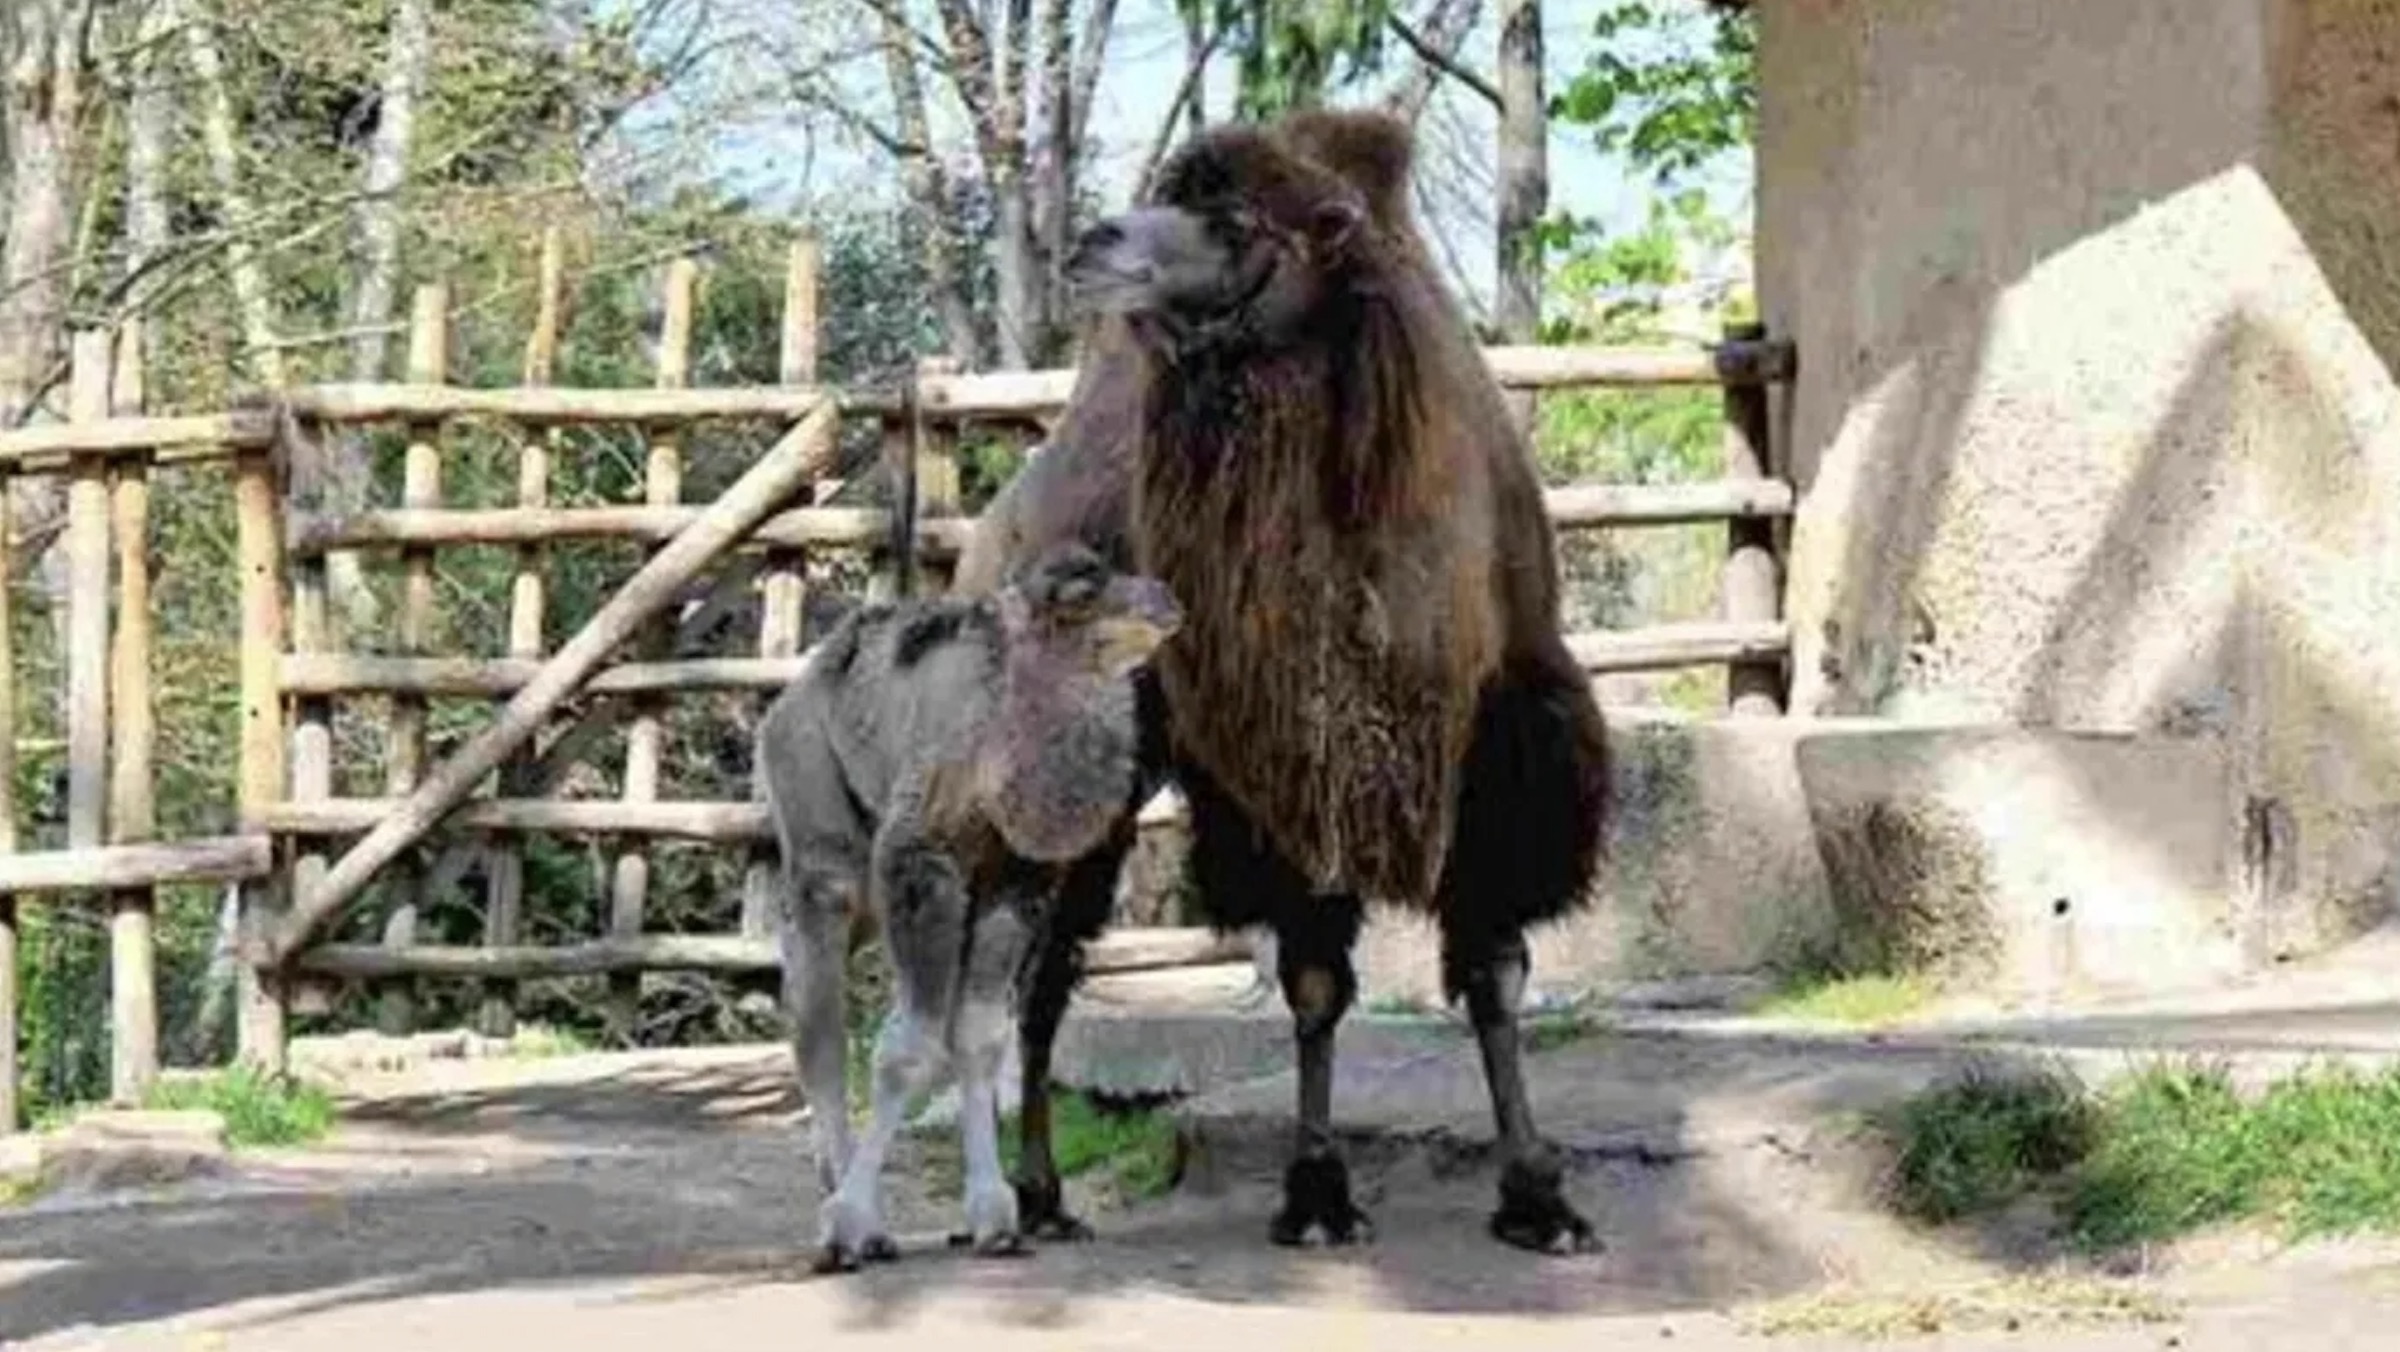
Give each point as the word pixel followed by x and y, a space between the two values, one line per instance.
pixel 930 774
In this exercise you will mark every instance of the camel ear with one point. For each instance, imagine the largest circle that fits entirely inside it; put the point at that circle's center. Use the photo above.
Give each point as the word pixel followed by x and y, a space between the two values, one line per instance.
pixel 1335 223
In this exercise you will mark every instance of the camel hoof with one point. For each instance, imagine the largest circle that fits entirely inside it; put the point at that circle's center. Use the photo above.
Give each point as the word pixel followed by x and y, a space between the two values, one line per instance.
pixel 838 1257
pixel 1534 1214
pixel 1042 1214
pixel 1317 1210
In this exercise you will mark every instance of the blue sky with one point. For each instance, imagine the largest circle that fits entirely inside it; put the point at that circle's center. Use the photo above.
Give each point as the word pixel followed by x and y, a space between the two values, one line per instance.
pixel 777 162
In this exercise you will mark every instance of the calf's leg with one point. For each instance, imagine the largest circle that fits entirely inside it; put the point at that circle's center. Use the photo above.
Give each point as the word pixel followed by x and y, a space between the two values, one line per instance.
pixel 923 903
pixel 814 936
pixel 984 1020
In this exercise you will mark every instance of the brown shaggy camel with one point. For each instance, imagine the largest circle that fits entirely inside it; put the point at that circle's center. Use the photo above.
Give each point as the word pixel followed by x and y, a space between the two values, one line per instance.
pixel 1283 415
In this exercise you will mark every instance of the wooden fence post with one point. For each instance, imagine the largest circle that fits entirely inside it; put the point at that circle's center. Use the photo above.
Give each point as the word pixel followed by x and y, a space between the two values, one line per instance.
pixel 87 656
pixel 646 733
pixel 1753 579
pixel 505 895
pixel 935 448
pixel 132 814
pixel 312 715
pixel 259 1028
pixel 421 487
pixel 783 583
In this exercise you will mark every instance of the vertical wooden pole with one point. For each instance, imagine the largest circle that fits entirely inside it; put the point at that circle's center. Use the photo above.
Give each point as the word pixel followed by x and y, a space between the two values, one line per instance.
pixel 9 1114
pixel 312 715
pixel 260 1036
pixel 937 496
pixel 894 576
pixel 646 734
pixel 87 654
pixel 783 583
pixel 1753 585
pixel 421 486
pixel 505 897
pixel 132 818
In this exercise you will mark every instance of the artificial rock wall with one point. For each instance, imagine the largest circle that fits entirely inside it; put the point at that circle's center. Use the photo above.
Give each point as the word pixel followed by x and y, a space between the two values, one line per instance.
pixel 2098 306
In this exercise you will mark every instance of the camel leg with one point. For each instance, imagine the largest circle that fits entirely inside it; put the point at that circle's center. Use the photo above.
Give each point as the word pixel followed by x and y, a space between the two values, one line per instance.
pixel 1529 813
pixel 1079 910
pixel 1533 1212
pixel 983 1019
pixel 1312 951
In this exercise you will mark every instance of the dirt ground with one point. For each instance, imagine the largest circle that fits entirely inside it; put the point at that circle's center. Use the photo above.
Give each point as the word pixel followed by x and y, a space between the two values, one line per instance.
pixel 639 1200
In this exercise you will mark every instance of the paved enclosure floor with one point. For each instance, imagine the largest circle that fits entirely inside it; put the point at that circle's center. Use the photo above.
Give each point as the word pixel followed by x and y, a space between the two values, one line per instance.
pixel 662 1199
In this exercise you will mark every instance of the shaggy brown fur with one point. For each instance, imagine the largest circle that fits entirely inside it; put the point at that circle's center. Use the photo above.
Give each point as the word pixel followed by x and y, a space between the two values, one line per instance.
pixel 1282 413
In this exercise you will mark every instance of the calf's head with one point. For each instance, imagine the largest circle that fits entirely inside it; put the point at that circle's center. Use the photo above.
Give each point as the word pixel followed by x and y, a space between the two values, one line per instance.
pixel 1057 768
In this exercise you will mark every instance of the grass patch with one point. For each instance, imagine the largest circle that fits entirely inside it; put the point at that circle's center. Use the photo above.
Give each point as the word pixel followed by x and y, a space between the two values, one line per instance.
pixel 1863 1001
pixel 1549 1029
pixel 1134 1147
pixel 18 1189
pixel 2011 1304
pixel 259 1110
pixel 2164 1153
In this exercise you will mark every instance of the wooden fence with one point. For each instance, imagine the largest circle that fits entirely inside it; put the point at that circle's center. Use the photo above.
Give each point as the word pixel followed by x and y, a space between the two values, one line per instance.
pixel 293 669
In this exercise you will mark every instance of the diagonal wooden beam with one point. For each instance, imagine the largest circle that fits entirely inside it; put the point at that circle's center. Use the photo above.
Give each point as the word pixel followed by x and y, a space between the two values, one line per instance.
pixel 802 453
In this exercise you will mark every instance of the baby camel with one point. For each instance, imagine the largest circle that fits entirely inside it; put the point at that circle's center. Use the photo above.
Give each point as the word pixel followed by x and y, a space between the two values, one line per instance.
pixel 930 774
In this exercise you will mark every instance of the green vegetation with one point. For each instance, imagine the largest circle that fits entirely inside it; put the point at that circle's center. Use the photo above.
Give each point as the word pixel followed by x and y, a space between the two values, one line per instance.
pixel 2166 1152
pixel 1868 1001
pixel 1548 1029
pixel 1134 1148
pixel 259 1110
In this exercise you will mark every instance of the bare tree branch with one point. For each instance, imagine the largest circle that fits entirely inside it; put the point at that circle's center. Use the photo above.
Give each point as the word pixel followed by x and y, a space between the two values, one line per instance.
pixel 1186 93
pixel 1446 26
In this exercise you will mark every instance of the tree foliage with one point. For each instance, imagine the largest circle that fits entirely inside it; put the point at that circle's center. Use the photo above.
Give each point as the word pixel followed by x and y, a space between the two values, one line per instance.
pixel 1665 88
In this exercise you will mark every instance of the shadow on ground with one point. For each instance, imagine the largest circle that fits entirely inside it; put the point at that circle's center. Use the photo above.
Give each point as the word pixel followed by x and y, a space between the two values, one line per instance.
pixel 1704 1166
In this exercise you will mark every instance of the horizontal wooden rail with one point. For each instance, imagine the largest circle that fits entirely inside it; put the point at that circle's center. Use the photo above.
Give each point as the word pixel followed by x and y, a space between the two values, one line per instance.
pixel 363 403
pixel 208 436
pixel 110 867
pixel 1522 368
pixel 1651 648
pixel 1664 647
pixel 726 822
pixel 1593 505
pixel 309 534
pixel 1124 950
pixel 491 677
pixel 713 822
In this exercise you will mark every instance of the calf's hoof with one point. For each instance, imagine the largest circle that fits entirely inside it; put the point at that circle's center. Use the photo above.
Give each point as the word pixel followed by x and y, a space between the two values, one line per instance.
pixel 1042 1213
pixel 837 1256
pixel 1534 1214
pixel 1316 1206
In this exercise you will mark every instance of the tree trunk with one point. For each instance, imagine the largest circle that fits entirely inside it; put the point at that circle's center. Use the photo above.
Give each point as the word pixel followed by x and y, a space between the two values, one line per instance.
pixel 408 52
pixel 1524 193
pixel 929 188
pixel 149 122
pixel 1016 271
pixel 43 100
pixel 250 295
pixel 1196 49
